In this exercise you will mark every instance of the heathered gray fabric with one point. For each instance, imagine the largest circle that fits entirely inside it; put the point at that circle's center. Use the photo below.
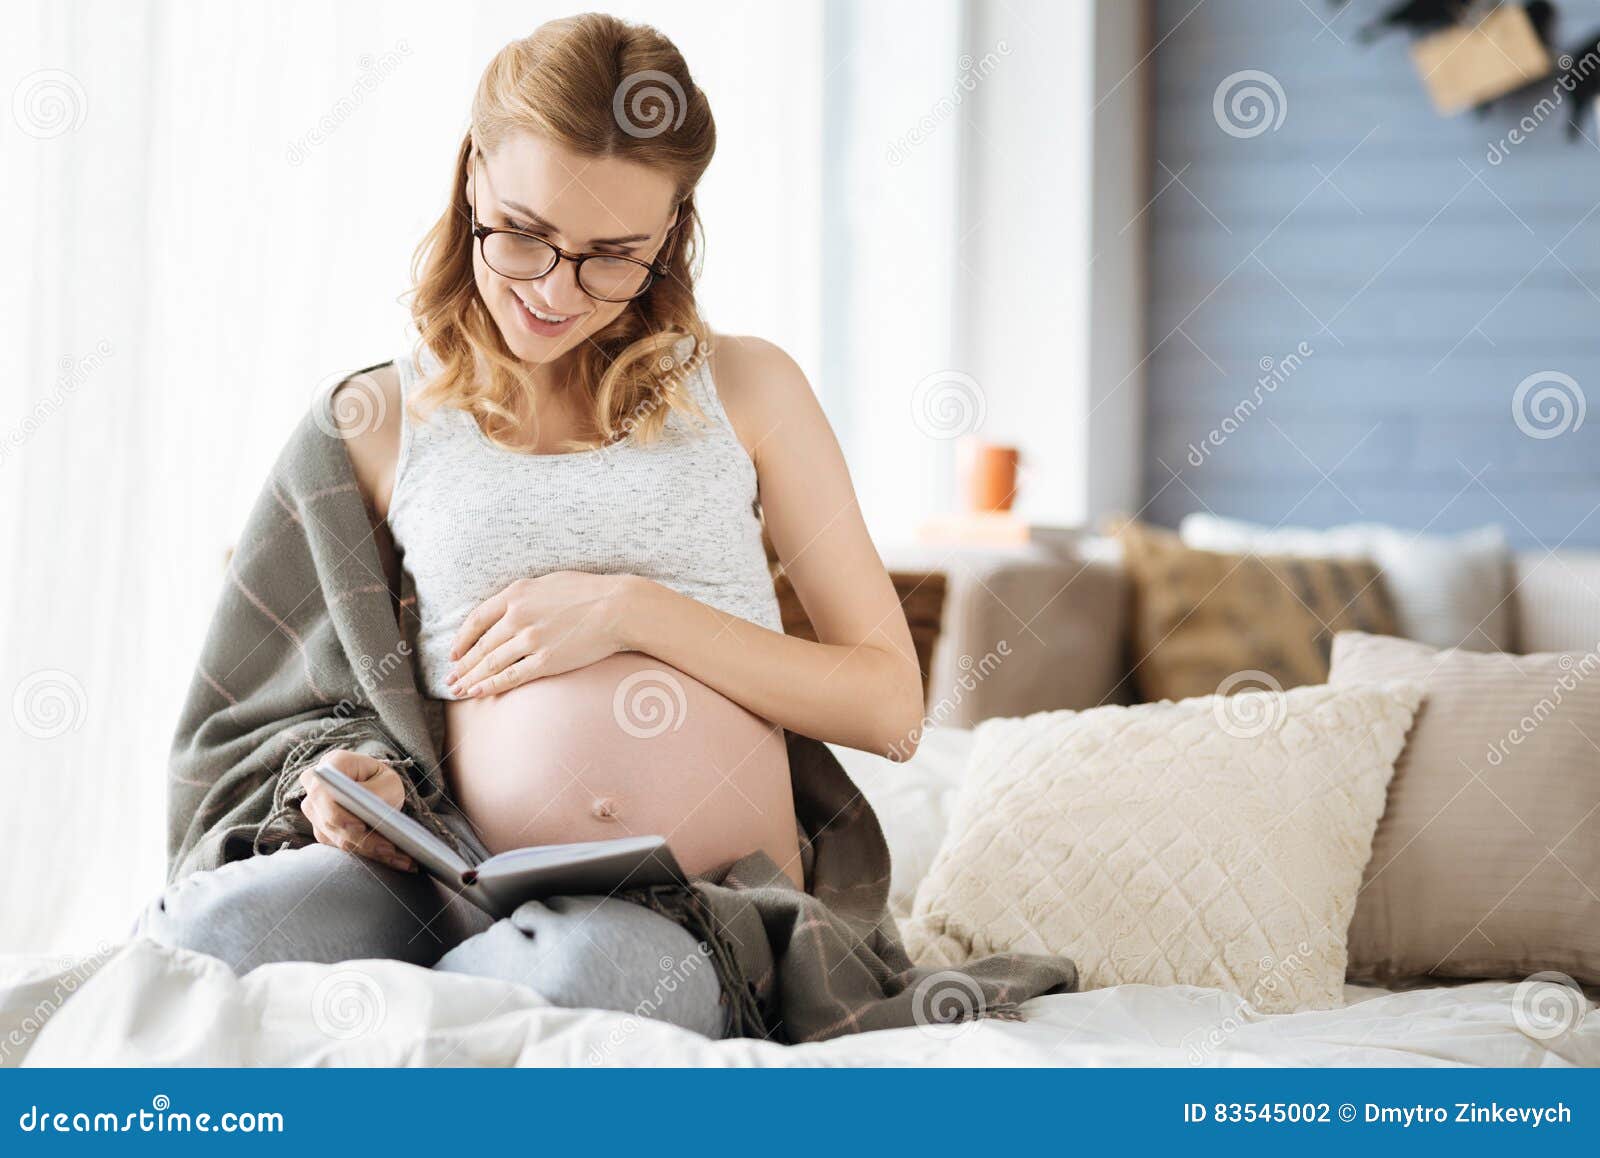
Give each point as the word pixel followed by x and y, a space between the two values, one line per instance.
pixel 471 518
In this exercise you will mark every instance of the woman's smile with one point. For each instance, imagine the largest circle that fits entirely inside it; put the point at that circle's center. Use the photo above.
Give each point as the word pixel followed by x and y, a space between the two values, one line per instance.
pixel 545 323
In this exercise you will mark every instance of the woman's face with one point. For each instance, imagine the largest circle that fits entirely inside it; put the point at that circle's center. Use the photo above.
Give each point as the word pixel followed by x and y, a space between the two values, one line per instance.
pixel 579 204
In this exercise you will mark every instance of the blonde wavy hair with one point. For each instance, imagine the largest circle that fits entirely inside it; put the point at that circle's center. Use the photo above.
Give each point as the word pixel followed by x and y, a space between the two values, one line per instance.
pixel 577 82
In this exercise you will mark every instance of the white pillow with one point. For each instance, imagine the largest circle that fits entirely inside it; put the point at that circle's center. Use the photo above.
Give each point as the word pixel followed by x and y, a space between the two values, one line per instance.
pixel 1448 590
pixel 913 803
pixel 1217 841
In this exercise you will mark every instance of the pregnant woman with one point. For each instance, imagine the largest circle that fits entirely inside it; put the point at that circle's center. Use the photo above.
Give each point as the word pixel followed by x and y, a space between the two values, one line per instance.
pixel 573 474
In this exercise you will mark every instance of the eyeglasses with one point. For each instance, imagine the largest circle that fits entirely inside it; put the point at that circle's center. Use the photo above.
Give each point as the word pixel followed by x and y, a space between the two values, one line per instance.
pixel 519 256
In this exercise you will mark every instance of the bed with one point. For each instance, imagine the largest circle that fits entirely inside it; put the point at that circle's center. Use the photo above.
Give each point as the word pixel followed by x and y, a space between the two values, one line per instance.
pixel 138 1003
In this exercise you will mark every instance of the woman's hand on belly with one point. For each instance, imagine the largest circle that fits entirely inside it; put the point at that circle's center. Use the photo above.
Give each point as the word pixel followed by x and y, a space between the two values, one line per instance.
pixel 536 628
pixel 627 746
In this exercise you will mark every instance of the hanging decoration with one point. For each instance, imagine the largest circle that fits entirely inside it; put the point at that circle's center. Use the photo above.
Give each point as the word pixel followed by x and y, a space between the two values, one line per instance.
pixel 1470 64
pixel 1476 55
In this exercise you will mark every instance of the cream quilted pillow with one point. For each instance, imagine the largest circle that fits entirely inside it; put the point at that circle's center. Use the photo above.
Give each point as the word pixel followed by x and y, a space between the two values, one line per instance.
pixel 1214 841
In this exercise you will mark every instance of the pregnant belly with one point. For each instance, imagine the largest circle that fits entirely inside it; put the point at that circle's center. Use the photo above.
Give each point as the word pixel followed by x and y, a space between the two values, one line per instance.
pixel 625 747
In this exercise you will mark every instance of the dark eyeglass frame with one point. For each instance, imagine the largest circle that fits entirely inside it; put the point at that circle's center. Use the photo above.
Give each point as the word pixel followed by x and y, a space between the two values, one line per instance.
pixel 481 233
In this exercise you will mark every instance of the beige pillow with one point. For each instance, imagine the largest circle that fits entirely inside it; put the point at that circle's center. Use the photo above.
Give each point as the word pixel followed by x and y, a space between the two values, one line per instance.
pixel 1202 617
pixel 1487 861
pixel 1218 841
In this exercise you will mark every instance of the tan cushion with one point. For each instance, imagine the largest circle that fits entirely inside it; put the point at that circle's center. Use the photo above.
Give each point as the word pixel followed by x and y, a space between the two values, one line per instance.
pixel 1215 842
pixel 1487 861
pixel 1203 618
pixel 1024 630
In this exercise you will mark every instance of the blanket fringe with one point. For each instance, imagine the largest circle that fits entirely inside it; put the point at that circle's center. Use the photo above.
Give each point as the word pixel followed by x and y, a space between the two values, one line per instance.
pixel 1003 1011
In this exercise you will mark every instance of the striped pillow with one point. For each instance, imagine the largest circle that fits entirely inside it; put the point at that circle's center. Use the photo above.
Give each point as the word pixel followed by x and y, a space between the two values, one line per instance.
pixel 1487 860
pixel 1207 622
pixel 1448 590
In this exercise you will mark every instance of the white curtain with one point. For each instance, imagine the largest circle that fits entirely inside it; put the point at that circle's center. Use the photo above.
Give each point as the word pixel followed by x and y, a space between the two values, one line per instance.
pixel 207 210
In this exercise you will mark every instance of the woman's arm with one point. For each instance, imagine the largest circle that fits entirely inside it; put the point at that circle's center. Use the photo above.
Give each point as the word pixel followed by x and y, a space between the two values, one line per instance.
pixel 860 685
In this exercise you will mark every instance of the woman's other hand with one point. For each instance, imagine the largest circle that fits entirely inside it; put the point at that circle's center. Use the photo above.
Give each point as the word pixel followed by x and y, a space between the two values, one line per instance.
pixel 334 825
pixel 538 627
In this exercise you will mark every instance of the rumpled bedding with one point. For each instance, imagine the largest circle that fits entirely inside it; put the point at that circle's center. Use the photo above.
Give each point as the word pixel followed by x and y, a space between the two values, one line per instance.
pixel 140 1003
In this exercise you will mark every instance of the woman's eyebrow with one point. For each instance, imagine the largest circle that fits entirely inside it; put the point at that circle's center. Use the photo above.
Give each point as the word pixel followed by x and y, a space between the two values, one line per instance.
pixel 534 219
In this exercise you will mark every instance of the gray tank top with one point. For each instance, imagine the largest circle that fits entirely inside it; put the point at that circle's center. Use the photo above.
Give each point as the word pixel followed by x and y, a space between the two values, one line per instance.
pixel 469 517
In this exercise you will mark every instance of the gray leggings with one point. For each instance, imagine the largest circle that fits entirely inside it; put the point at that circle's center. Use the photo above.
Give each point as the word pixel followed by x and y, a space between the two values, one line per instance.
pixel 319 903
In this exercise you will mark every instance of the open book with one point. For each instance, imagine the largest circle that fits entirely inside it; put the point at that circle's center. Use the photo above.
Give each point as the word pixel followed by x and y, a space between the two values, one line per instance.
pixel 501 883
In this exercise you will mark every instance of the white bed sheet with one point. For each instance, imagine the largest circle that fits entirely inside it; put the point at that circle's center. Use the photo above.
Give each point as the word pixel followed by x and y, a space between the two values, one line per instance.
pixel 145 1004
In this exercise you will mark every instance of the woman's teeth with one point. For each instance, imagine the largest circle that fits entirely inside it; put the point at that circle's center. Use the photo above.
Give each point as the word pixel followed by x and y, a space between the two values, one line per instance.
pixel 553 319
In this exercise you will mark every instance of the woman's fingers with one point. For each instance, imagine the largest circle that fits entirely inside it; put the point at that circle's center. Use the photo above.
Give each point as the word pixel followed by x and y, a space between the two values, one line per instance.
pixel 524 670
pixel 356 765
pixel 389 787
pixel 373 848
pixel 464 671
pixel 515 648
pixel 477 623
pixel 334 825
pixel 382 850
pixel 335 821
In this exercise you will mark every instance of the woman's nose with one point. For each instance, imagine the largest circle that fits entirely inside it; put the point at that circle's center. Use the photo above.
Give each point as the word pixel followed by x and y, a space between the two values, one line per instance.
pixel 560 288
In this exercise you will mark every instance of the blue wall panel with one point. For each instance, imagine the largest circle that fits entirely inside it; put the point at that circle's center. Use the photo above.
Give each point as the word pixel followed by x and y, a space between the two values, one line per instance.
pixel 1428 266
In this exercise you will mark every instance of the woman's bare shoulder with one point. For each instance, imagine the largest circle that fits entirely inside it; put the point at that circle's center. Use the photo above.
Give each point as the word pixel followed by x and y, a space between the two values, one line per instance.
pixel 367 408
pixel 743 364
pixel 760 386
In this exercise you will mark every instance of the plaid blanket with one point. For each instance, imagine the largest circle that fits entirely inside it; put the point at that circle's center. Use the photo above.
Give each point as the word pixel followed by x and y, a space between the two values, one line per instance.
pixel 310 650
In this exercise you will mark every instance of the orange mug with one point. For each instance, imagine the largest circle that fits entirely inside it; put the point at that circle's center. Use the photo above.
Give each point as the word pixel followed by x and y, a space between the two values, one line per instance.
pixel 991 475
